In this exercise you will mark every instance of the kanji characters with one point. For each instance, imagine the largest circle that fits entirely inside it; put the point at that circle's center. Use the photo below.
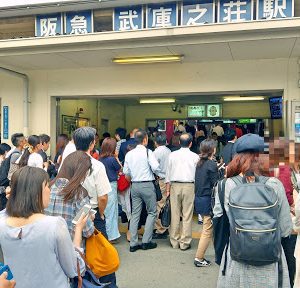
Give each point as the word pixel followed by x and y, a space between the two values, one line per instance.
pixel 78 25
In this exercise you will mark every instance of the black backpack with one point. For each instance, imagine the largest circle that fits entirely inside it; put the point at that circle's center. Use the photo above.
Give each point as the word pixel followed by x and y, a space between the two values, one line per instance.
pixel 4 169
pixel 253 215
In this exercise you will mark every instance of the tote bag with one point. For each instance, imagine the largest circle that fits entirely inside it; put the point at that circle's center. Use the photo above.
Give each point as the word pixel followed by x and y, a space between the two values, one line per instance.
pixel 101 256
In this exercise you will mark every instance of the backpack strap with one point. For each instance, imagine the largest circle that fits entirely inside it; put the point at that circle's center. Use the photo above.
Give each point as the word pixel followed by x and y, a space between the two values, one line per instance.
pixel 263 179
pixel 221 193
pixel 237 180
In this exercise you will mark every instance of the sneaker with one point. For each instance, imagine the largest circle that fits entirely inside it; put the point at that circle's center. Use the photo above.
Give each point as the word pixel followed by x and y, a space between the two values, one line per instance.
pixel 201 263
pixel 200 220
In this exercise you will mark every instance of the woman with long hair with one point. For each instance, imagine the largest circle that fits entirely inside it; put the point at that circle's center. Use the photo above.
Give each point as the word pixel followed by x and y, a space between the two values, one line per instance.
pixel 30 156
pixel 112 165
pixel 244 167
pixel 206 178
pixel 37 248
pixel 67 193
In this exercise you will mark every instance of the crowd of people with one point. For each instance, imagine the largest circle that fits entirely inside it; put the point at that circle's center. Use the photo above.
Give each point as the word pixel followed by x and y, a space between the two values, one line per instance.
pixel 245 199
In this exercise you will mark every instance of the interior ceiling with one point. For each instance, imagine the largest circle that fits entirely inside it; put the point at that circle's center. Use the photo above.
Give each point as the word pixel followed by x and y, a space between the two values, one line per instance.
pixel 186 99
pixel 233 51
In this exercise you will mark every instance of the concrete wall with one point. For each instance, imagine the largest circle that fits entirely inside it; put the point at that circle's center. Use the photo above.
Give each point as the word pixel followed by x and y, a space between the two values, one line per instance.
pixel 113 112
pixel 250 75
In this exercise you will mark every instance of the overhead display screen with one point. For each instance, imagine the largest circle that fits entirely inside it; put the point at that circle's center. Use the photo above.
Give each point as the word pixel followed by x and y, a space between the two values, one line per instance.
pixel 276 107
pixel 196 111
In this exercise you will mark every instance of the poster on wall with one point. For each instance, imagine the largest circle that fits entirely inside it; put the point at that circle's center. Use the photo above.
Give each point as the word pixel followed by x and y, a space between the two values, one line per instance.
pixel 5 122
pixel 161 125
pixel 71 123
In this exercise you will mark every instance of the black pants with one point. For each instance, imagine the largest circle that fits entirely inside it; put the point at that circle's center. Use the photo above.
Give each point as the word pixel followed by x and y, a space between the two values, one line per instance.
pixel 100 226
pixel 288 245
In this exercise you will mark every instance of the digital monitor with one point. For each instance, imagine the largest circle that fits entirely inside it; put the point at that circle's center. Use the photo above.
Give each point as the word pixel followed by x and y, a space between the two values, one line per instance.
pixel 196 111
pixel 214 110
pixel 276 107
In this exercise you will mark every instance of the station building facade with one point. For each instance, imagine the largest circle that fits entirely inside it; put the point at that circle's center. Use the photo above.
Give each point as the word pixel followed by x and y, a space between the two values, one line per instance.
pixel 59 59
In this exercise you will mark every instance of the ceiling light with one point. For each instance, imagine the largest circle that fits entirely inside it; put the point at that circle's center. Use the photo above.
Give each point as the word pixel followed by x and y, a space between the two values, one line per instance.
pixel 157 100
pixel 250 98
pixel 148 59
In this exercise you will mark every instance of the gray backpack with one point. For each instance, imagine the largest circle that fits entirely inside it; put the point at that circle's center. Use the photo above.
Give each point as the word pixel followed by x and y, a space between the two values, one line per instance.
pixel 253 215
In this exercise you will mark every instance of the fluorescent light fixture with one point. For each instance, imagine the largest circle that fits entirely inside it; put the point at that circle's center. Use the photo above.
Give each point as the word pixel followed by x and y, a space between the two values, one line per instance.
pixel 157 100
pixel 147 59
pixel 245 98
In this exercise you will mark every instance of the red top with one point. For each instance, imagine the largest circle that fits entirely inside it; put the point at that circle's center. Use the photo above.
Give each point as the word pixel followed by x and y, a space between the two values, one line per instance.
pixel 239 132
pixel 285 177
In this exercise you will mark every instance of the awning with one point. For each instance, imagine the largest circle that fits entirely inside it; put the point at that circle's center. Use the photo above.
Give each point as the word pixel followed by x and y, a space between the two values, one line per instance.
pixel 218 42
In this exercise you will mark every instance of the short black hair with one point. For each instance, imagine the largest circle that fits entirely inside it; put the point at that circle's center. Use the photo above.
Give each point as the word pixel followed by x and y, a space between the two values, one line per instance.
pixel 230 134
pixel 185 140
pixel 121 132
pixel 2 151
pixel 160 138
pixel 83 138
pixel 16 138
pixel 26 196
pixel 140 135
pixel 44 138
pixel 106 135
pixel 5 147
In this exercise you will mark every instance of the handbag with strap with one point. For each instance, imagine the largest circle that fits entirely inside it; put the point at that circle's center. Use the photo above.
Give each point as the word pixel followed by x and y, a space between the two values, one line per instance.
pixel 155 182
pixel 89 280
pixel 123 183
pixel 102 256
pixel 165 214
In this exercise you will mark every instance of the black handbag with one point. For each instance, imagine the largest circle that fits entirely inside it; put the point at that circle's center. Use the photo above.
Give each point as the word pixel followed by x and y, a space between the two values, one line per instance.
pixel 165 214
pixel 221 226
pixel 155 183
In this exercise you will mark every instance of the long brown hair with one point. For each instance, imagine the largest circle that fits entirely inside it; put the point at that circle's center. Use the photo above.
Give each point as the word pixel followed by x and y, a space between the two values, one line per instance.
pixel 108 147
pixel 75 168
pixel 242 163
pixel 207 149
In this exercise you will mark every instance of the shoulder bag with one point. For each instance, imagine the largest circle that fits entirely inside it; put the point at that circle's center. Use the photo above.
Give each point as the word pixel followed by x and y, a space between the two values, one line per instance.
pixel 89 280
pixel 102 256
pixel 155 182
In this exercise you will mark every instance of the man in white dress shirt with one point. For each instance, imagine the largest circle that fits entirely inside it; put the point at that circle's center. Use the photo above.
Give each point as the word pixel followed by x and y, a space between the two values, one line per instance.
pixel 139 165
pixel 161 154
pixel 97 185
pixel 180 178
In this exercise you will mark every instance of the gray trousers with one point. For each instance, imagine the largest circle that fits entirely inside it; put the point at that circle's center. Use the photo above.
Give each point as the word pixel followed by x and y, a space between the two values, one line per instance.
pixel 142 192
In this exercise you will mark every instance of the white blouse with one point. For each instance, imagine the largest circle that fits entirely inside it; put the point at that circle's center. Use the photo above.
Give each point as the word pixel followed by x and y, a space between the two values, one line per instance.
pixel 35 160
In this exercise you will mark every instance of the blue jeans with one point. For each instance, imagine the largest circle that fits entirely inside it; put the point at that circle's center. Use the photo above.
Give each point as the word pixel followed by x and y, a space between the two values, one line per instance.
pixel 100 226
